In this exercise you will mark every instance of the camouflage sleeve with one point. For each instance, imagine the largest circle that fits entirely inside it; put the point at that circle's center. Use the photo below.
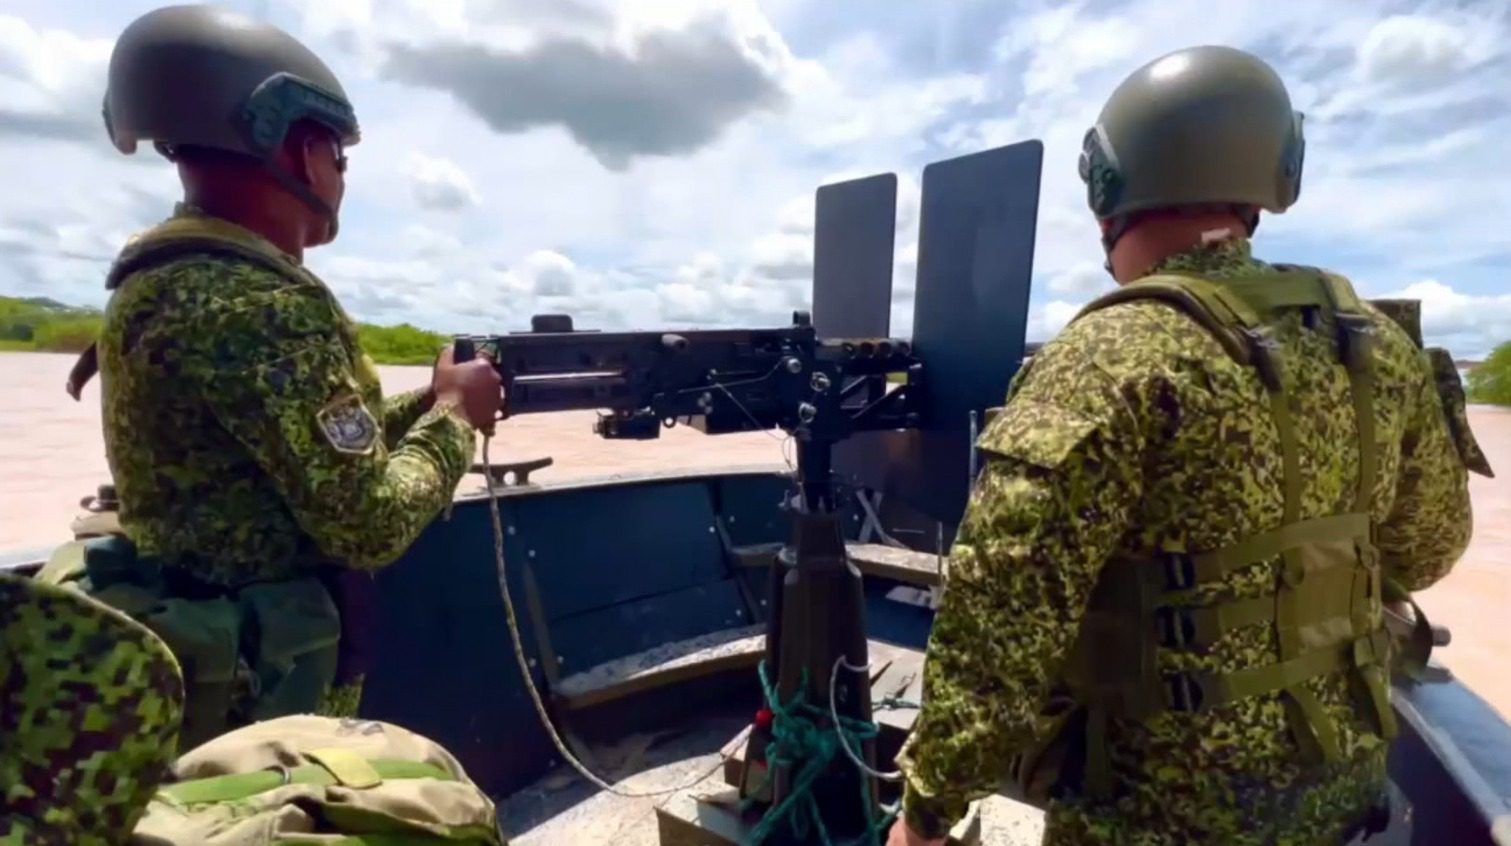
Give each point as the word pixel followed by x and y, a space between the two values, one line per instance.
pixel 1056 493
pixel 90 708
pixel 278 377
pixel 1430 522
pixel 400 412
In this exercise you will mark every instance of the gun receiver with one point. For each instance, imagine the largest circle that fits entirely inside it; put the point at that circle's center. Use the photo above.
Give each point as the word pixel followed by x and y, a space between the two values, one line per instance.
pixel 718 381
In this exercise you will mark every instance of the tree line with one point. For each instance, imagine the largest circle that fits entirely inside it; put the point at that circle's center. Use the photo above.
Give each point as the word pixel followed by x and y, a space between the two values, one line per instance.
pixel 39 324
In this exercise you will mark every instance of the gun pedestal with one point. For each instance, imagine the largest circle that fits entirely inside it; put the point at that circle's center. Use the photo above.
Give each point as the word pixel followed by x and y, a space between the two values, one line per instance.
pixel 817 618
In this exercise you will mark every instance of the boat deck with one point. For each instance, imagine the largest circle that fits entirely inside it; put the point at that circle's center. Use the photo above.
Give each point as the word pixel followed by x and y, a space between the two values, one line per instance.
pixel 563 808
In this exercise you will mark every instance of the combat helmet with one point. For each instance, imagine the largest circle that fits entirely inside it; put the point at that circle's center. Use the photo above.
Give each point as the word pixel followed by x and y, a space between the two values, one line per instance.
pixel 203 76
pixel 1204 126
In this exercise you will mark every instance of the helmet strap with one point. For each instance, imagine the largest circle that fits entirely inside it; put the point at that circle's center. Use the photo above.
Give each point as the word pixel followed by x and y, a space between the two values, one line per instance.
pixel 303 192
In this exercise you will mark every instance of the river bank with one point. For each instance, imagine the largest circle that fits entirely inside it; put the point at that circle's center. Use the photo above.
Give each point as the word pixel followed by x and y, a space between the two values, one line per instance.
pixel 51 454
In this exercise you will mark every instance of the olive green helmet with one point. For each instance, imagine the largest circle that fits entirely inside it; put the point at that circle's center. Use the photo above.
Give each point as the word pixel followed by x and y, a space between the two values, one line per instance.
pixel 1205 126
pixel 208 77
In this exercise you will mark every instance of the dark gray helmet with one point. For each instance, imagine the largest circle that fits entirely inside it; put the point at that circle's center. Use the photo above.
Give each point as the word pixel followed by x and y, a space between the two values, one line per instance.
pixel 1205 126
pixel 208 77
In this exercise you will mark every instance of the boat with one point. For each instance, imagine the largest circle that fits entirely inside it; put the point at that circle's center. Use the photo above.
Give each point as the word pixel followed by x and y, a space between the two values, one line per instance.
pixel 620 625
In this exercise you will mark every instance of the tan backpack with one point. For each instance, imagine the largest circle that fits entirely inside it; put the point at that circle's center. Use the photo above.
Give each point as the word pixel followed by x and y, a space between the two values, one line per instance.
pixel 319 780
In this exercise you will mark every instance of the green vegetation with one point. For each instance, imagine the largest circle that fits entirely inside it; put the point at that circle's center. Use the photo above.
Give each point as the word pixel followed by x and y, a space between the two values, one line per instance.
pixel 38 324
pixel 1490 382
pixel 402 344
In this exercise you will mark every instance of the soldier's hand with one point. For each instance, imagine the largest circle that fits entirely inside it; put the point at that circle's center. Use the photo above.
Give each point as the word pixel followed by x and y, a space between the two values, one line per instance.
pixel 472 386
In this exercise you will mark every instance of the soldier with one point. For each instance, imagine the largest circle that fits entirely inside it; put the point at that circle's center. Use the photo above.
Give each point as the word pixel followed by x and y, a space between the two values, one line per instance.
pixel 1163 614
pixel 259 468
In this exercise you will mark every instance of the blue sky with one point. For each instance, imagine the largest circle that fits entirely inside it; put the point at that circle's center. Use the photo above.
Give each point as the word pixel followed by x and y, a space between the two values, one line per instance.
pixel 640 164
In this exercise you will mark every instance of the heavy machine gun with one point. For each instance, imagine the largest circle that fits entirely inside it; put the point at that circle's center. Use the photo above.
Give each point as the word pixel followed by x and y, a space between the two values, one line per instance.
pixel 719 381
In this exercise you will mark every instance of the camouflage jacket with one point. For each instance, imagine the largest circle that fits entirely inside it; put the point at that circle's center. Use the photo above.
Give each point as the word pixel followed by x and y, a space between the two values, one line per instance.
pixel 1131 430
pixel 246 430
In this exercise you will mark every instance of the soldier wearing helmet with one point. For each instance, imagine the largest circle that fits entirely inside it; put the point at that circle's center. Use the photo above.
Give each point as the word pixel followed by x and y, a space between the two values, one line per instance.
pixel 1164 610
pixel 260 470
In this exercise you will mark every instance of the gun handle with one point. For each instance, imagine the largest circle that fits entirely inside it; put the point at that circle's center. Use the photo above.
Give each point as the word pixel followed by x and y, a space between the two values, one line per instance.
pixel 463 350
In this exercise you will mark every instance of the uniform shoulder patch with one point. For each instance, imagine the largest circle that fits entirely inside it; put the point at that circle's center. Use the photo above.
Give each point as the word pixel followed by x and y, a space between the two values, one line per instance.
pixel 348 425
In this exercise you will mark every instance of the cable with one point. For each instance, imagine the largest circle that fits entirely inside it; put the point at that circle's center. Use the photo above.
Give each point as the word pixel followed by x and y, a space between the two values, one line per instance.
pixel 524 664
pixel 895 775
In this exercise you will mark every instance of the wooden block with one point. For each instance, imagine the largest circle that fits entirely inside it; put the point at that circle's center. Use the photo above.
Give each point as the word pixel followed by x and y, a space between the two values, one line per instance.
pixel 690 819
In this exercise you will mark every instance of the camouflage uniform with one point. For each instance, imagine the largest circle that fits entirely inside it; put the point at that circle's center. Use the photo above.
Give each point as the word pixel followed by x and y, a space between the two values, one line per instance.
pixel 1129 432
pixel 89 710
pixel 247 432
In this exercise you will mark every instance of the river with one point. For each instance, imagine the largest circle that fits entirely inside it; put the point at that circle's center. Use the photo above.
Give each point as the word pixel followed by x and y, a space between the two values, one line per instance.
pixel 51 455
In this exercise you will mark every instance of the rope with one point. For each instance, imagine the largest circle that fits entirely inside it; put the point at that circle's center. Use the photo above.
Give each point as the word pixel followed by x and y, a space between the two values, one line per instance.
pixel 796 737
pixel 524 664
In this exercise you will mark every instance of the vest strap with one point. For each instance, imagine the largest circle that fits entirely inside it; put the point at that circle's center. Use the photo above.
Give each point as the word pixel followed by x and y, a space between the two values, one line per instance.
pixel 1179 571
pixel 1197 692
pixel 238 786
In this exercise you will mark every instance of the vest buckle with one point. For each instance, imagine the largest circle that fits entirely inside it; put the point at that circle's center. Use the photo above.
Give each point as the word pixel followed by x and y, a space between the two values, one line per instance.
pixel 1177 630
pixel 1180 570
pixel 1355 339
pixel 1183 692
pixel 1264 351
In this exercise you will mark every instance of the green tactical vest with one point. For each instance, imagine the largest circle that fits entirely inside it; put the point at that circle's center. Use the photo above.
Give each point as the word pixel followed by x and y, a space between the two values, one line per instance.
pixel 1326 607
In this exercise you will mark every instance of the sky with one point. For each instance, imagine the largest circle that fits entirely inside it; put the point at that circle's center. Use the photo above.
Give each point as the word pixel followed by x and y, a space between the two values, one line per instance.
pixel 645 164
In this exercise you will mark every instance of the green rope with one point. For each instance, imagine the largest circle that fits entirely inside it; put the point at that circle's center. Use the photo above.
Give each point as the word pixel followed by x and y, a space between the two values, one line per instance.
pixel 797 739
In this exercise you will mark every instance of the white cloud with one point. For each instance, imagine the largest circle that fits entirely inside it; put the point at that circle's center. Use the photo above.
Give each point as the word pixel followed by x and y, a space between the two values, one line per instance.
pixel 1046 321
pixel 681 208
pixel 439 184
pixel 49 81
pixel 1458 321
pixel 1417 48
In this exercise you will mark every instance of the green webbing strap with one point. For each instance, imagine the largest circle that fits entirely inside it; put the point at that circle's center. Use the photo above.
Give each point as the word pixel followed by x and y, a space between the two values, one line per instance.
pixel 1220 689
pixel 1195 296
pixel 1213 565
pixel 1210 622
pixel 1274 291
pixel 238 786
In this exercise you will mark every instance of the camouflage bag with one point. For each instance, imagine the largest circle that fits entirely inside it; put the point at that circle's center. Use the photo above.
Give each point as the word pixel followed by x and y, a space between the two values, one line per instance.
pixel 319 781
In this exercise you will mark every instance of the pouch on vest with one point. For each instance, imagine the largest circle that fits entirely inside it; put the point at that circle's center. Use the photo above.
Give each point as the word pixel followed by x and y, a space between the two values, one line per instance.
pixel 307 779
pixel 292 629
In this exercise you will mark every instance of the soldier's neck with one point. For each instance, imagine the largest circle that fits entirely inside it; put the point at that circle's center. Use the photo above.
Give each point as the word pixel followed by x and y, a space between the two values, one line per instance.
pixel 284 231
pixel 1151 241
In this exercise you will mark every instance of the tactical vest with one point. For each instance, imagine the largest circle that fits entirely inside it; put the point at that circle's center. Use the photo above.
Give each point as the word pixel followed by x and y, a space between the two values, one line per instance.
pixel 1325 608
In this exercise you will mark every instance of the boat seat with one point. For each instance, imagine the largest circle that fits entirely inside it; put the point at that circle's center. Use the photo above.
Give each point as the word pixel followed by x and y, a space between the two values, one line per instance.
pixel 899 564
pixel 667 664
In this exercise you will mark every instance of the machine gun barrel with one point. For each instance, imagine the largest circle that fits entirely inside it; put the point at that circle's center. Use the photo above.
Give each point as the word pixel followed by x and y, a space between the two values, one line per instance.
pixel 718 380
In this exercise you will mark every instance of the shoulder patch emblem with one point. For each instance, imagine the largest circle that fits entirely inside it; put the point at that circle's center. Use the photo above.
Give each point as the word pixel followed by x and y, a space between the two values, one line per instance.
pixel 348 425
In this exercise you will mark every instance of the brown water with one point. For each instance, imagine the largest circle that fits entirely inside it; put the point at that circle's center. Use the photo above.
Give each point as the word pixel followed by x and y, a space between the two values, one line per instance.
pixel 51 454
